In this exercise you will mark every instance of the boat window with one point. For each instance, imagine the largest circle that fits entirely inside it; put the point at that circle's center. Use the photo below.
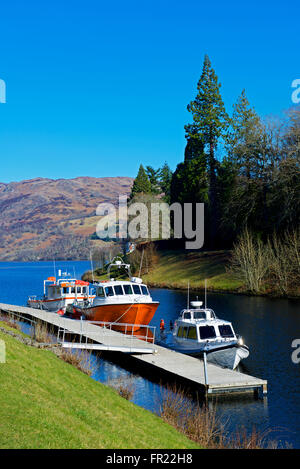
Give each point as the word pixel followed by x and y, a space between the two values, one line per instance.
pixel 84 289
pixel 73 290
pixel 118 290
pixel 144 290
pixel 100 292
pixel 179 332
pixel 65 290
pixel 127 289
pixel 199 315
pixel 185 331
pixel 207 332
pixel 136 289
pixel 187 315
pixel 109 291
pixel 226 331
pixel 78 289
pixel 192 333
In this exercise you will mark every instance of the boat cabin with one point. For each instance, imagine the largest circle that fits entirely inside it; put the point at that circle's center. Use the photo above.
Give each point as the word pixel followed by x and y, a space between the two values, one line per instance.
pixel 65 288
pixel 121 289
pixel 201 324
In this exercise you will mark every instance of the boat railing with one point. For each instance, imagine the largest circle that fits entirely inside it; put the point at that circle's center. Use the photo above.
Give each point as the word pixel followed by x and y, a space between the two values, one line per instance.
pixel 35 298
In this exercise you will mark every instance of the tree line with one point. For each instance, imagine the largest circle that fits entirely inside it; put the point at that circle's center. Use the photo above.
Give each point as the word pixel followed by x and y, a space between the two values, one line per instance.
pixel 245 170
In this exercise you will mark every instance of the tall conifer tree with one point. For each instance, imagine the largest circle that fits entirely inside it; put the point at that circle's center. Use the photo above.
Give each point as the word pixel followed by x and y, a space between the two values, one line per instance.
pixel 210 123
pixel 141 183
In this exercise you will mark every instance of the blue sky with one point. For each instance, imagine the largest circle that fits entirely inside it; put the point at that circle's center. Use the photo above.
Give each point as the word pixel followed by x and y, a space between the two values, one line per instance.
pixel 95 88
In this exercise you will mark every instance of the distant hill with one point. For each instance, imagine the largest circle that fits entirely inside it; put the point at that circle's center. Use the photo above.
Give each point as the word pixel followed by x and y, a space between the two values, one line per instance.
pixel 45 218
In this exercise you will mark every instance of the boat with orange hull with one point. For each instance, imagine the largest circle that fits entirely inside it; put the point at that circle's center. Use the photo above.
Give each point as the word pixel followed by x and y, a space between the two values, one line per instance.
pixel 119 302
pixel 137 314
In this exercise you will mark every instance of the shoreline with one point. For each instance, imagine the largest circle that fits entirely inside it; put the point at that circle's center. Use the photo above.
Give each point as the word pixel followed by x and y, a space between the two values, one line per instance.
pixel 173 270
pixel 222 291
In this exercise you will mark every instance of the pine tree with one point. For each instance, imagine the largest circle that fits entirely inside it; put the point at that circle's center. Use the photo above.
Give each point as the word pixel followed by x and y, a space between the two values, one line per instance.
pixel 210 123
pixel 244 138
pixel 194 149
pixel 141 183
pixel 165 179
pixel 153 175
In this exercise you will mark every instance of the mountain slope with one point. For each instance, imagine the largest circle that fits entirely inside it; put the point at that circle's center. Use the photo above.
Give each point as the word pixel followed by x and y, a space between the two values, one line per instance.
pixel 42 218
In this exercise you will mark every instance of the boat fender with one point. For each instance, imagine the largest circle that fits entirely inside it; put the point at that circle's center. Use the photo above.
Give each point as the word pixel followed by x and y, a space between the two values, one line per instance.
pixel 162 325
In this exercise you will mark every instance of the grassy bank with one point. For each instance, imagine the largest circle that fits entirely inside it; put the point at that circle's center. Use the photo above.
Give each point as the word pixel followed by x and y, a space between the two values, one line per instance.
pixel 47 403
pixel 174 269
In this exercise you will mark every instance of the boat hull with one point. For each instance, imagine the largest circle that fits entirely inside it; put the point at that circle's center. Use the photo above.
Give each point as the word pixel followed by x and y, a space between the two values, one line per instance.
pixel 136 314
pixel 226 356
pixel 51 306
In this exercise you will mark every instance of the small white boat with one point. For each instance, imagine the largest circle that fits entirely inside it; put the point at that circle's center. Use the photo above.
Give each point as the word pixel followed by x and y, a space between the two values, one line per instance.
pixel 59 293
pixel 198 330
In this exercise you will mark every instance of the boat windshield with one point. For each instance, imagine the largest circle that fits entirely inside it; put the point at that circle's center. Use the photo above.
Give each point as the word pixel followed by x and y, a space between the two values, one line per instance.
pixel 118 290
pixel 136 289
pixel 186 315
pixel 226 331
pixel 127 289
pixel 109 291
pixel 100 292
pixel 199 315
pixel 144 290
pixel 207 332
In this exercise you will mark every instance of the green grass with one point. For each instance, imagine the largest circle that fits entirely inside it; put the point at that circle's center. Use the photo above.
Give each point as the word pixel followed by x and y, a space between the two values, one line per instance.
pixel 174 269
pixel 47 403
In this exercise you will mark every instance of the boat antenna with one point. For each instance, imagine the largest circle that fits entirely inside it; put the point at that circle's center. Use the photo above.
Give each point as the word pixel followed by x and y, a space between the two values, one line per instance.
pixel 205 294
pixel 188 295
pixel 92 266
pixel 141 263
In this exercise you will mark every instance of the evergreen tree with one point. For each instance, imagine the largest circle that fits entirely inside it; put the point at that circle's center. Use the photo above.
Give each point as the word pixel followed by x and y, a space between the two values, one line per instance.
pixel 194 149
pixel 244 137
pixel 210 123
pixel 165 179
pixel 153 175
pixel 141 183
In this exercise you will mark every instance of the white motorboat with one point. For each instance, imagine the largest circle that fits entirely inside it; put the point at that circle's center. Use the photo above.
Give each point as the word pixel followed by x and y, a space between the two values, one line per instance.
pixel 60 293
pixel 198 330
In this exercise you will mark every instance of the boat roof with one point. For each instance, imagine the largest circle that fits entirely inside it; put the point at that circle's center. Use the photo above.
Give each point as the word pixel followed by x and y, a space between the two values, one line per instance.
pixel 112 282
pixel 203 321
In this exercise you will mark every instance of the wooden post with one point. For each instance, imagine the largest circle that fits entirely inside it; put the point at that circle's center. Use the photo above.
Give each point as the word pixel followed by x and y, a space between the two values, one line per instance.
pixel 205 369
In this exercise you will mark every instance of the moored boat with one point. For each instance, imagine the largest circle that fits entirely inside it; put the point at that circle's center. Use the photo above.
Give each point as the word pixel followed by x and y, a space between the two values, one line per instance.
pixel 59 293
pixel 198 330
pixel 120 301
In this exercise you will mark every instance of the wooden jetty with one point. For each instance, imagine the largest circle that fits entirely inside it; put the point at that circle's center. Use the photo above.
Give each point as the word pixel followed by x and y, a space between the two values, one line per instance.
pixel 216 380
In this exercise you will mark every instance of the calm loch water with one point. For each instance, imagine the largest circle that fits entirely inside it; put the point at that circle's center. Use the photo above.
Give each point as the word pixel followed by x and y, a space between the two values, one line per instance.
pixel 267 325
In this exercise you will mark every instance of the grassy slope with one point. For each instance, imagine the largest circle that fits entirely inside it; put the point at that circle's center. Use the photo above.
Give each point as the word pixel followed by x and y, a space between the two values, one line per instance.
pixel 174 269
pixel 46 403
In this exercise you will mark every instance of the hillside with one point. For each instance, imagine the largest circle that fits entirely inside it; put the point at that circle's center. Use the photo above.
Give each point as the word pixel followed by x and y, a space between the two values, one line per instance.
pixel 46 218
pixel 174 269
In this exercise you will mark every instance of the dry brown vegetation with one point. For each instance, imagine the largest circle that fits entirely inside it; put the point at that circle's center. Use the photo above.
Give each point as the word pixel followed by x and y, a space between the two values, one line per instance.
pixel 201 424
pixel 80 359
pixel 9 320
pixel 272 265
pixel 42 333
pixel 124 387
